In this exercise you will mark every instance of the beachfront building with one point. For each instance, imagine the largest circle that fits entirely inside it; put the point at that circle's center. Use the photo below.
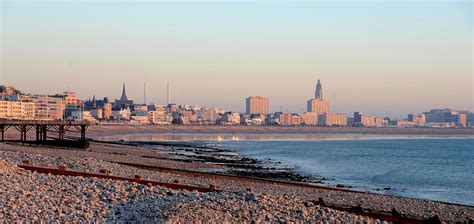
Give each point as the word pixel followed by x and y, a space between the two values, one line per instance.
pixel 257 105
pixel 187 117
pixel 72 104
pixel 254 119
pixel 416 120
pixel 470 119
pixel 159 115
pixel 17 109
pixel 446 118
pixel 106 109
pixel 47 107
pixel 287 119
pixel 139 117
pixel 207 116
pixel 361 120
pixel 309 118
pixel 230 118
pixel 332 119
pixel 120 113
pixel 97 113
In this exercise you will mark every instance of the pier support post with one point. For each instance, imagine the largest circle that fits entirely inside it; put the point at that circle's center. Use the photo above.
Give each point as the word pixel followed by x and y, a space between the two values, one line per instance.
pixel 83 132
pixel 44 132
pixel 2 129
pixel 38 133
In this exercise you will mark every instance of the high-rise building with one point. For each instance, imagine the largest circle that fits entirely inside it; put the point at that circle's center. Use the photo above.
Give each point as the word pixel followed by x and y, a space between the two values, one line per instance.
pixel 318 105
pixel 257 105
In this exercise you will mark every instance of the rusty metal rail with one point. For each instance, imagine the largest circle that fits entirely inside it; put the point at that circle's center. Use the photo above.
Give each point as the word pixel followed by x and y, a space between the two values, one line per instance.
pixel 390 216
pixel 104 174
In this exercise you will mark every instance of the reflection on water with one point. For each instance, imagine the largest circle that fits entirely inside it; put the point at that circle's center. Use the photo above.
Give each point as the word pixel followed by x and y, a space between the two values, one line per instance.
pixel 268 137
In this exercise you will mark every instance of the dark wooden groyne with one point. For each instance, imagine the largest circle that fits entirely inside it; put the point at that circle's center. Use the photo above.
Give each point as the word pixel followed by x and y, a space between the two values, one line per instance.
pixel 59 129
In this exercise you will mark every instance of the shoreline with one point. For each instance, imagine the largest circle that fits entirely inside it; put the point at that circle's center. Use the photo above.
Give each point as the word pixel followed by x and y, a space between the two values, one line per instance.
pixel 263 170
pixel 105 130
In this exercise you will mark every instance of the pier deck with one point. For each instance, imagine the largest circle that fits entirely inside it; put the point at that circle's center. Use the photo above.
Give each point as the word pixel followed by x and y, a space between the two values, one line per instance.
pixel 42 127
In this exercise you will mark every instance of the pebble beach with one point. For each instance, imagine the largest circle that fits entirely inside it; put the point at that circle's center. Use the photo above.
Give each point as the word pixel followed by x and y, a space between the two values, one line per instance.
pixel 31 196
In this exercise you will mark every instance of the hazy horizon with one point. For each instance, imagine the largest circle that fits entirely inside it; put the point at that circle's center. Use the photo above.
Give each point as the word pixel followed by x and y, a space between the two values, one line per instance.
pixel 380 58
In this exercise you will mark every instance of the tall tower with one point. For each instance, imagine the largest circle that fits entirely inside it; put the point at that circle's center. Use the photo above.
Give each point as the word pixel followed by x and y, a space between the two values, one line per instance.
pixel 319 91
pixel 168 97
pixel 144 93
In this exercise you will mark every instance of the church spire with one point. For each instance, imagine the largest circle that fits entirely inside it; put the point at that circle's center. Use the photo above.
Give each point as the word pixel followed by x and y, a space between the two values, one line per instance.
pixel 319 91
pixel 124 95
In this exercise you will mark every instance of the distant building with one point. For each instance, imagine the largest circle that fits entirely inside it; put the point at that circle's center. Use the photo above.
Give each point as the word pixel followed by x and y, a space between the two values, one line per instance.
pixel 124 101
pixel 309 118
pixel 470 119
pixel 254 119
pixel 368 121
pixel 357 120
pixel 257 105
pixel 230 118
pixel 417 120
pixel 332 119
pixel 288 119
pixel 121 113
pixel 187 117
pixel 446 118
pixel 159 115
pixel 207 116
pixel 72 104
pixel 97 113
pixel 106 109
pixel 461 120
pixel 318 106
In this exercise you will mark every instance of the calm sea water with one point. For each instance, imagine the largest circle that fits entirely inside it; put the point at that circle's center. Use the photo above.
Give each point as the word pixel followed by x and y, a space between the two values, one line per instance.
pixel 431 167
pixel 436 169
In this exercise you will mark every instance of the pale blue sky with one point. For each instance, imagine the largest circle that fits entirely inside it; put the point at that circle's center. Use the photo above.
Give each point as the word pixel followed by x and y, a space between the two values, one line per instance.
pixel 379 57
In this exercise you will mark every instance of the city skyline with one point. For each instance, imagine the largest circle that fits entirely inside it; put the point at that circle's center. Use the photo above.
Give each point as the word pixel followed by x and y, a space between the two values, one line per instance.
pixel 391 66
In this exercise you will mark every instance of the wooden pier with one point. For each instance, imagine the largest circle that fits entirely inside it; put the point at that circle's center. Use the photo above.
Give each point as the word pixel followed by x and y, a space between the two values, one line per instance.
pixel 60 128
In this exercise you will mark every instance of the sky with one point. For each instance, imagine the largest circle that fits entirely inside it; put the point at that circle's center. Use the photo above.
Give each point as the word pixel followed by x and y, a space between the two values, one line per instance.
pixel 384 58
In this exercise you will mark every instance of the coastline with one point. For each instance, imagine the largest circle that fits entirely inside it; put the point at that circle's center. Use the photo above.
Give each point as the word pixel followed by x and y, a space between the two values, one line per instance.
pixel 110 157
pixel 105 130
pixel 196 165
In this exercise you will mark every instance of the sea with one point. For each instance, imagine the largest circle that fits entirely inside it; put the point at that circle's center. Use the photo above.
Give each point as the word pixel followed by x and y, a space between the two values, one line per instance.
pixel 431 167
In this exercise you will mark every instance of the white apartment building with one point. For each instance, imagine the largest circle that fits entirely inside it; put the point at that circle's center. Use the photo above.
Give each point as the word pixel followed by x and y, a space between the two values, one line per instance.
pixel 17 110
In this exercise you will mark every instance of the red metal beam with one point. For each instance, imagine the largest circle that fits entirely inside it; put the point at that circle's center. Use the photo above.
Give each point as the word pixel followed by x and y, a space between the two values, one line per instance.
pixel 63 171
